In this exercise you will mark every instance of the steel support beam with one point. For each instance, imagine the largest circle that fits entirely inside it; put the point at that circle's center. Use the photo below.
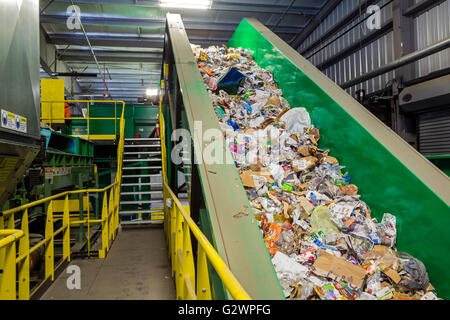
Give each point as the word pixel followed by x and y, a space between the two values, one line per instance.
pixel 114 40
pixel 403 34
pixel 217 5
pixel 412 57
pixel 114 21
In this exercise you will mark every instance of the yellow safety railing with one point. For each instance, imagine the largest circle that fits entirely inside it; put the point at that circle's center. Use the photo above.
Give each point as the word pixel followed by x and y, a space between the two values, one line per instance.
pixel 88 119
pixel 15 263
pixel 191 282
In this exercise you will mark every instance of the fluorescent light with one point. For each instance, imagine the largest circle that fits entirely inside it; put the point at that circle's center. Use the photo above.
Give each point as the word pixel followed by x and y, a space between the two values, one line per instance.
pixel 189 4
pixel 152 92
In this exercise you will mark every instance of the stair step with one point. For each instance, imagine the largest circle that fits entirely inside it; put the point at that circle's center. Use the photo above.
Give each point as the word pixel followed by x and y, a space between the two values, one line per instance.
pixel 142 201
pixel 129 212
pixel 141 175
pixel 141 160
pixel 142 184
pixel 137 222
pixel 142 139
pixel 141 168
pixel 141 145
pixel 143 152
pixel 140 192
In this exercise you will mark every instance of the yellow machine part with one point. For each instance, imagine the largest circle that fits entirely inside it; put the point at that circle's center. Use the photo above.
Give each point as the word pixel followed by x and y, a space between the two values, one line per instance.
pixel 52 90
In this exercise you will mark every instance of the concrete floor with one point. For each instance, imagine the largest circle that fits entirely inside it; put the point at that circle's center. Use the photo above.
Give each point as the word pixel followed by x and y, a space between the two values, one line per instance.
pixel 136 268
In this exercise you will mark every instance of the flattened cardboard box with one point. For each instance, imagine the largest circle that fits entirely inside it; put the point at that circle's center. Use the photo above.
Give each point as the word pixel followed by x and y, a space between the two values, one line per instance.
pixel 327 265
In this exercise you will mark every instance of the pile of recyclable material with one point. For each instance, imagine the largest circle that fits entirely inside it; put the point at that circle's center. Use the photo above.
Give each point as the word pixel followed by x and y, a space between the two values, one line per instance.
pixel 322 239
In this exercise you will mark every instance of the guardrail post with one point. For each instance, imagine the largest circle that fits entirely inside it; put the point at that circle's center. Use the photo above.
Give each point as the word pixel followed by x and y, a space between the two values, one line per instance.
pixel 188 262
pixel 179 263
pixel 8 285
pixel 111 216
pixel 66 231
pixel 203 286
pixel 24 265
pixel 116 209
pixel 173 213
pixel 105 245
pixel 49 245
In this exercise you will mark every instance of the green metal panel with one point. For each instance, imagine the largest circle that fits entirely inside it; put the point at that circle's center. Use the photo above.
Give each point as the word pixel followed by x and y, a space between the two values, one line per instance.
pixel 138 120
pixel 391 175
pixel 442 162
pixel 238 240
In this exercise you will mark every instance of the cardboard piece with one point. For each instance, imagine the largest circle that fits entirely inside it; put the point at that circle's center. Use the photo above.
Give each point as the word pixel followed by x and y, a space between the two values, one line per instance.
pixel 314 135
pixel 328 265
pixel 331 160
pixel 307 150
pixel 382 255
pixel 349 190
pixel 392 274
pixel 248 181
pixel 274 100
pixel 306 205
pixel 300 164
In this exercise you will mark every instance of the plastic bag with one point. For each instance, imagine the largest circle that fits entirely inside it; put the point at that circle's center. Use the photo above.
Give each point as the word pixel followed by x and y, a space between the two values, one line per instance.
pixel 296 120
pixel 321 221
pixel 416 271
pixel 387 230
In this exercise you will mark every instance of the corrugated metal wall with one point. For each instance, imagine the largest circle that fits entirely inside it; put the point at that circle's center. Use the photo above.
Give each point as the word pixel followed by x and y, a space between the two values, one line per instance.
pixel 429 27
pixel 434 132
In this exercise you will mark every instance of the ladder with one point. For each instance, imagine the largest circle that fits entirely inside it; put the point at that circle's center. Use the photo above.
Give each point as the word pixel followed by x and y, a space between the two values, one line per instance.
pixel 141 194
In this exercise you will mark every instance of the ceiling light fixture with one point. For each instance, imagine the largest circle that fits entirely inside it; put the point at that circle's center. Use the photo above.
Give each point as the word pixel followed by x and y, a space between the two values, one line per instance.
pixel 152 92
pixel 187 4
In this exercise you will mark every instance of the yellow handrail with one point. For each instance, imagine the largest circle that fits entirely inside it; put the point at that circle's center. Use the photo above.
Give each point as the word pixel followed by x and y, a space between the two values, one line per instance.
pixel 225 274
pixel 178 226
pixel 16 263
pixel 88 117
pixel 10 236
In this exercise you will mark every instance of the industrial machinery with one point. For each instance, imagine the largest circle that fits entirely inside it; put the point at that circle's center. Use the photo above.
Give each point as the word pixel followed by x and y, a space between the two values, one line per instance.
pixel 392 176
pixel 19 92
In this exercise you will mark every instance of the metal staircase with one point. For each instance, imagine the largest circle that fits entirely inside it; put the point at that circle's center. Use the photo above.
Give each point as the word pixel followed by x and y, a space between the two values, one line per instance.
pixel 141 194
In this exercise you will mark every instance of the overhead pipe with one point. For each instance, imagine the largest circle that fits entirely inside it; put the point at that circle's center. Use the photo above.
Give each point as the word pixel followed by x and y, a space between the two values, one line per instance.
pixel 90 47
pixel 409 58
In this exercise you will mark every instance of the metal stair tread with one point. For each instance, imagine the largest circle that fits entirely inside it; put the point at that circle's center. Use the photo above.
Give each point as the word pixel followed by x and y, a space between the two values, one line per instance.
pixel 160 221
pixel 142 201
pixel 140 192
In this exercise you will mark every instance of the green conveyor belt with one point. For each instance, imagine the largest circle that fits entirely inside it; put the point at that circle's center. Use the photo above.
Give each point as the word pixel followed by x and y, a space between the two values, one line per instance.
pixel 391 176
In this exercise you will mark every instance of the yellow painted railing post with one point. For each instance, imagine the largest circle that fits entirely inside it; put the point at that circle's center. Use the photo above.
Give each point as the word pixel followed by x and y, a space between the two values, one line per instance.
pixel 8 285
pixel 188 261
pixel 88 209
pixel 49 246
pixel 11 222
pixel 66 231
pixel 24 265
pixel 116 209
pixel 179 263
pixel 111 215
pixel 173 213
pixel 203 286
pixel 105 245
